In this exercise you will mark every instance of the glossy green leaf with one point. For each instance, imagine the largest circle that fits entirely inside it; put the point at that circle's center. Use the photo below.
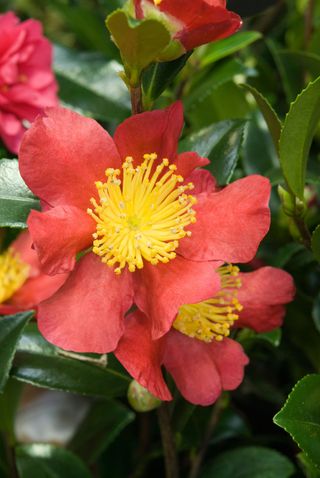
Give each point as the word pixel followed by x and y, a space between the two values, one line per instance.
pixel 222 48
pixel 11 327
pixel 270 116
pixel 249 462
pixel 297 135
pixel 91 85
pixel 310 470
pixel 315 243
pixel 139 42
pixel 16 200
pixel 300 416
pixel 221 143
pixel 103 423
pixel 41 364
pixel 39 460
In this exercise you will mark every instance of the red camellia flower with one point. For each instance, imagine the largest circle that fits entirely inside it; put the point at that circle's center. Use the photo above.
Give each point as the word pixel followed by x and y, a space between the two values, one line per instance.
pixel 155 230
pixel 27 83
pixel 192 22
pixel 22 285
pixel 197 351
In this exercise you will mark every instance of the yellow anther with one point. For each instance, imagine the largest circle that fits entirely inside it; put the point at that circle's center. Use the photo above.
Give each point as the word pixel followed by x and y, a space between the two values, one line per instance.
pixel 141 215
pixel 212 319
pixel 13 274
pixel 157 2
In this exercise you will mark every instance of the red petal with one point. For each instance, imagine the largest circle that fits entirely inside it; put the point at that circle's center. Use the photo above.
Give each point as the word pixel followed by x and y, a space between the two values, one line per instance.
pixel 187 162
pixel 142 356
pixel 190 363
pixel 203 182
pixel 230 223
pixel 151 132
pixel 58 235
pixel 263 294
pixel 160 290
pixel 86 314
pixel 63 154
pixel 23 245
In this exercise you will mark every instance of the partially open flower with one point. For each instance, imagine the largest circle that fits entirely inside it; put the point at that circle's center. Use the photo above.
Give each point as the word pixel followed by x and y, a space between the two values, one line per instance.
pixel 22 285
pixel 27 83
pixel 197 351
pixel 152 230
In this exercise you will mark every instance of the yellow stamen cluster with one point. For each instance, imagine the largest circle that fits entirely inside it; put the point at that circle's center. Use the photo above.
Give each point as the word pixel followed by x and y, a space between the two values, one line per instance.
pixel 13 274
pixel 213 318
pixel 142 216
pixel 157 2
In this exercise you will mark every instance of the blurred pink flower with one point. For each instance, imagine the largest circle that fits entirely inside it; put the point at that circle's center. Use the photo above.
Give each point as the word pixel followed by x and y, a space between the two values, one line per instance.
pixel 27 83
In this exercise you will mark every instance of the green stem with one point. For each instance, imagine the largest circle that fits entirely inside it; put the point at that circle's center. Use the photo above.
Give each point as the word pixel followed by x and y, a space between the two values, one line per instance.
pixel 168 442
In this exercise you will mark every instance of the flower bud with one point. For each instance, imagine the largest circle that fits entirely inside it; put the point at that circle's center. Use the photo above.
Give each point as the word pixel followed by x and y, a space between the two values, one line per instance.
pixel 140 399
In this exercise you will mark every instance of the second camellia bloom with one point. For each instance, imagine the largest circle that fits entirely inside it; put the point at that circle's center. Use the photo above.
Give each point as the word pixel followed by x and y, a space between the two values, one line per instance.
pixel 151 227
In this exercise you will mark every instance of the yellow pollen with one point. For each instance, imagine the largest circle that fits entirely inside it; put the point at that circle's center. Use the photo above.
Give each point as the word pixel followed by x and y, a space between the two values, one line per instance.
pixel 142 216
pixel 157 2
pixel 213 318
pixel 13 274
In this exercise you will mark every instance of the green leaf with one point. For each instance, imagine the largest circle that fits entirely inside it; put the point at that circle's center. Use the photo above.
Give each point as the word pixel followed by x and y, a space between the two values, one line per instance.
pixel 249 462
pixel 316 312
pixel 103 423
pixel 315 243
pixel 139 42
pixel 297 134
pixel 41 364
pixel 16 200
pixel 9 401
pixel 310 470
pixel 11 327
pixel 48 461
pixel 300 416
pixel 91 85
pixel 270 116
pixel 221 142
pixel 222 48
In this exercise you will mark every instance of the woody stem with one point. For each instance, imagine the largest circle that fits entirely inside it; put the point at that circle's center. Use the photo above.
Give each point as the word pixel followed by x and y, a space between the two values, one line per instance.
pixel 168 442
pixel 136 99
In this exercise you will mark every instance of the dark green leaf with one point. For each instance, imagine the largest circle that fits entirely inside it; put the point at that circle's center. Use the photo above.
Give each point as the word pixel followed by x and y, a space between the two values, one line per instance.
pixel 315 243
pixel 221 142
pixel 222 48
pixel 316 312
pixel 104 422
pixel 297 134
pixel 270 116
pixel 11 328
pixel 40 460
pixel 90 84
pixel 300 416
pixel 249 462
pixel 16 200
pixel 41 364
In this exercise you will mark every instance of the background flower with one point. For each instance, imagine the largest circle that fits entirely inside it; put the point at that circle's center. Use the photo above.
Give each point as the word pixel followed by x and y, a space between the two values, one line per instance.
pixel 27 83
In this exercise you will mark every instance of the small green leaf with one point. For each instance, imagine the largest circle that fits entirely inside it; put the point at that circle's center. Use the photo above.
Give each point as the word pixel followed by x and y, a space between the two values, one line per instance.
pixel 297 134
pixel 249 462
pixel 270 116
pixel 105 420
pixel 220 142
pixel 40 363
pixel 11 327
pixel 300 416
pixel 48 461
pixel 16 200
pixel 139 42
pixel 222 48
pixel 315 243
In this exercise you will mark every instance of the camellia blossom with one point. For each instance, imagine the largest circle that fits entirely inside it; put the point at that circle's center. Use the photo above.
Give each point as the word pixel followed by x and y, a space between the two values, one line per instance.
pixel 192 22
pixel 22 285
pixel 151 228
pixel 197 351
pixel 27 83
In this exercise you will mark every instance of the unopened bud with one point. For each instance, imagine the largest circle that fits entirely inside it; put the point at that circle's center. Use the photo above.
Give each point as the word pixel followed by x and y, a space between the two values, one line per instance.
pixel 140 399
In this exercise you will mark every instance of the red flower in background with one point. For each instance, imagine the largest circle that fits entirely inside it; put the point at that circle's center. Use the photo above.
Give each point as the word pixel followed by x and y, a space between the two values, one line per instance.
pixel 27 83
pixel 22 285
pixel 193 22
pixel 139 225
pixel 197 351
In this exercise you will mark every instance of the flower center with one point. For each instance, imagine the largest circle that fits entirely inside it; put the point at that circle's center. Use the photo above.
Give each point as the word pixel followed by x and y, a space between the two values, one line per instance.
pixel 13 274
pixel 143 216
pixel 213 318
